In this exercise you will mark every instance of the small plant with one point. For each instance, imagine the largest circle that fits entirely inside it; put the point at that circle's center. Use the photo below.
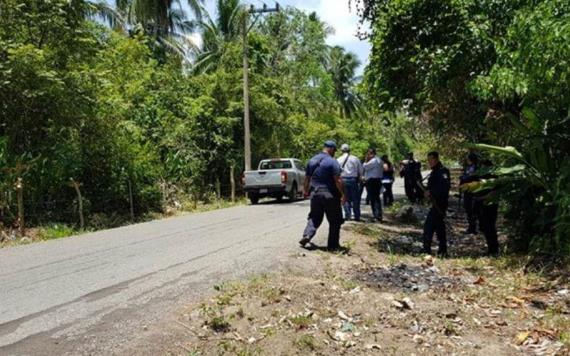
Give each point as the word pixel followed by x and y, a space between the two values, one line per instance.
pixel 227 346
pixel 57 231
pixel 347 284
pixel 272 295
pixel 224 299
pixel 268 332
pixel 219 324
pixel 250 351
pixel 301 321
pixel 306 342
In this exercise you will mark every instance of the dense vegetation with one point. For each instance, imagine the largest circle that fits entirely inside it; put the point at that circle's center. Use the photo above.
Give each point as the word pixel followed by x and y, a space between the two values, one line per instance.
pixel 494 72
pixel 120 99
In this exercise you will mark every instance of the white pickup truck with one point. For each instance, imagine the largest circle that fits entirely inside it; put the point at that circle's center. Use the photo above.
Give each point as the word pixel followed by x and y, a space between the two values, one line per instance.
pixel 275 178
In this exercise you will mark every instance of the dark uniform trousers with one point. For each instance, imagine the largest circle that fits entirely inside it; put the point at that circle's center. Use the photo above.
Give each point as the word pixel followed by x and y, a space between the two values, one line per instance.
pixel 409 187
pixel 325 203
pixel 471 210
pixel 488 223
pixel 438 186
pixel 435 223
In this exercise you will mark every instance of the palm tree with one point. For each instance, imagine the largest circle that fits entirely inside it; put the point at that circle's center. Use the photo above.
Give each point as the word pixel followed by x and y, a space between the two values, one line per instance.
pixel 216 34
pixel 163 20
pixel 342 67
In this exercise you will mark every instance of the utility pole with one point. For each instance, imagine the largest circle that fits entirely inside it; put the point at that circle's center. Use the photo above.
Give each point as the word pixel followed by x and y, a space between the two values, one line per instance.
pixel 245 30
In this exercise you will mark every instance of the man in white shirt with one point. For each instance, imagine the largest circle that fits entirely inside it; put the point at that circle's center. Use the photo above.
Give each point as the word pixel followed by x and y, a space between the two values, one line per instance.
pixel 351 174
pixel 373 173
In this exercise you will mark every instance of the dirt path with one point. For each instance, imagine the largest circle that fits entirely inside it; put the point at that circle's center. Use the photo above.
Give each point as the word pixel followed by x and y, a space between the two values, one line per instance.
pixel 380 298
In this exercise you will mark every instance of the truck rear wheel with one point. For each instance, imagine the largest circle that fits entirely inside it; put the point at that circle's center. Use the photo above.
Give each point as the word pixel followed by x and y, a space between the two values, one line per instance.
pixel 254 199
pixel 293 193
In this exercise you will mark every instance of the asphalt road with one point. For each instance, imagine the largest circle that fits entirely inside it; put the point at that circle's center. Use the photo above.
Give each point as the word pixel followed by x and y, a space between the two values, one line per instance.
pixel 88 294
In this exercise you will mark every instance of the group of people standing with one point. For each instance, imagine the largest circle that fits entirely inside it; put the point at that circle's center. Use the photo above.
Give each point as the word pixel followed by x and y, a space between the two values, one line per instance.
pixel 337 184
pixel 375 174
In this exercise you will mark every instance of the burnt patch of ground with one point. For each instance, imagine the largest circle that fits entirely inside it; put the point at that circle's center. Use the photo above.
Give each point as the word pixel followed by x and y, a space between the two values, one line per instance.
pixel 409 278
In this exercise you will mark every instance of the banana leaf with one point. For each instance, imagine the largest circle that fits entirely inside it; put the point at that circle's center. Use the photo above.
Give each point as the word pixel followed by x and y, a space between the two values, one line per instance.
pixel 508 150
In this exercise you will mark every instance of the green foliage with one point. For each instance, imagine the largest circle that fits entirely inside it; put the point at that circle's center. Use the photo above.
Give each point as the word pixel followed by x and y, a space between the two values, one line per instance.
pixel 493 71
pixel 56 231
pixel 120 113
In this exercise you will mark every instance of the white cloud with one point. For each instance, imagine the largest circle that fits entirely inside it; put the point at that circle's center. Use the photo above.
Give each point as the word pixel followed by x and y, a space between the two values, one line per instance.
pixel 343 19
pixel 337 14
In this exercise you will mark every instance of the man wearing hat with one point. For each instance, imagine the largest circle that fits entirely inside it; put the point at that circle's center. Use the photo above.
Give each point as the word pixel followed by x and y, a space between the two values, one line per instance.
pixel 351 174
pixel 324 184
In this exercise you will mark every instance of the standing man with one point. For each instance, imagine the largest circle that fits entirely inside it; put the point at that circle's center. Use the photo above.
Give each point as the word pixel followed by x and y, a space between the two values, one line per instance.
pixel 323 182
pixel 373 173
pixel 469 202
pixel 410 170
pixel 486 206
pixel 351 174
pixel 388 181
pixel 437 192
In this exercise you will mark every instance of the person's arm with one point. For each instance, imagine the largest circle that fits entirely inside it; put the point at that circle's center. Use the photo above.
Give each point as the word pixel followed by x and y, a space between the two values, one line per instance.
pixel 369 164
pixel 340 187
pixel 360 169
pixel 307 186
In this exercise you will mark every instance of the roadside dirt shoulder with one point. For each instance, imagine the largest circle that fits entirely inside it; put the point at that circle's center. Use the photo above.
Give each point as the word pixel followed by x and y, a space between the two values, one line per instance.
pixel 378 297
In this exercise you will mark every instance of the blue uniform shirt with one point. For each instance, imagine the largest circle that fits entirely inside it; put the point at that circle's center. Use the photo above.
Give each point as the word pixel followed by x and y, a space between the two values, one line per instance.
pixel 322 169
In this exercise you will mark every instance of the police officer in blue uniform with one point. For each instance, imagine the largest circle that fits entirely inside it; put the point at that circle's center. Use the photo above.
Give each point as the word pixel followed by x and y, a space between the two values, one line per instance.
pixel 469 202
pixel 324 184
pixel 437 192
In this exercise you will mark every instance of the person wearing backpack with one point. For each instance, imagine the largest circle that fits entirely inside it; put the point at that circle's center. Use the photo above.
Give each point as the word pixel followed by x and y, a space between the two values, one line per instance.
pixel 351 175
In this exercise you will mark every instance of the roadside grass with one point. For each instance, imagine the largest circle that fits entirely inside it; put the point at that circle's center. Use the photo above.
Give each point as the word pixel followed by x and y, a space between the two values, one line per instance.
pixel 58 231
pixel 215 204
pixel 96 222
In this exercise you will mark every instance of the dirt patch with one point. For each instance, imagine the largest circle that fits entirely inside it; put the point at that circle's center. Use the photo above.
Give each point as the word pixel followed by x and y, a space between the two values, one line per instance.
pixel 408 278
pixel 366 301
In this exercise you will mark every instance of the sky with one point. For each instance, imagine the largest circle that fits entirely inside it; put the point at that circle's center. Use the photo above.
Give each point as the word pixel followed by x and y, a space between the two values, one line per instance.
pixel 336 13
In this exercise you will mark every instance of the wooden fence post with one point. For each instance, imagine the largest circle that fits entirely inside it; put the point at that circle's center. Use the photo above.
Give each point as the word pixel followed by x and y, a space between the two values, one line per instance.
pixel 76 186
pixel 132 205
pixel 218 188
pixel 233 183
pixel 20 193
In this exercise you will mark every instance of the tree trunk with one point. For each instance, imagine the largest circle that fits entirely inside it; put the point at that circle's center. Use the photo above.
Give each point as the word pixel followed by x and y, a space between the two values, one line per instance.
pixel 76 186
pixel 233 183
pixel 131 203
pixel 218 189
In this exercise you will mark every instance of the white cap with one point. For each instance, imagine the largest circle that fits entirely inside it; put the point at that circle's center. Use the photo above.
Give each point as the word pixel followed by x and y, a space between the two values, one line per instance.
pixel 345 147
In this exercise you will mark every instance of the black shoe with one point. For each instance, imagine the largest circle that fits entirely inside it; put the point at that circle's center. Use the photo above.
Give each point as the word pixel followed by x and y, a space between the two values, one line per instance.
pixel 305 240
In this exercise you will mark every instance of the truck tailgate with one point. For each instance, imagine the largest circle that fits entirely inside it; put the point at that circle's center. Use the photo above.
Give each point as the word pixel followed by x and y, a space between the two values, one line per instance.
pixel 262 178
